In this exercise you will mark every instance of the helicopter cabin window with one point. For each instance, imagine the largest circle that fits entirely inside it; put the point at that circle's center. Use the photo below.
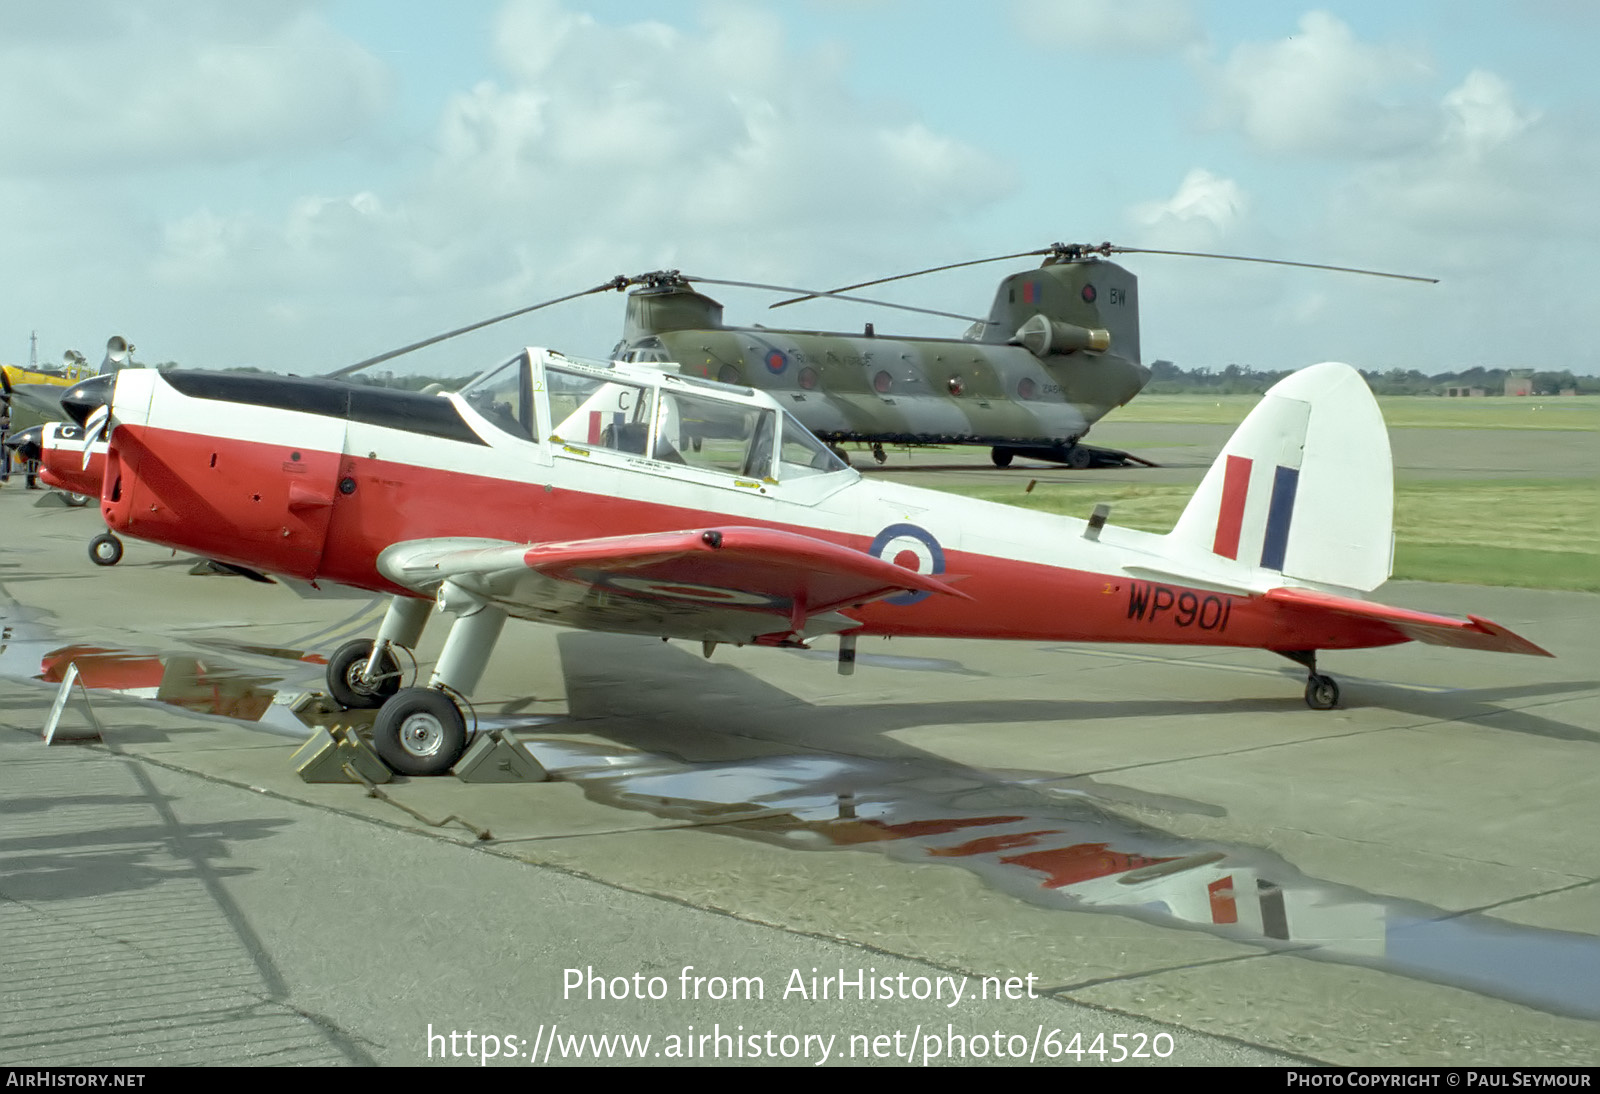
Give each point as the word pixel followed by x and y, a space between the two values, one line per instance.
pixel 502 396
pixel 801 454
pixel 714 435
pixel 599 412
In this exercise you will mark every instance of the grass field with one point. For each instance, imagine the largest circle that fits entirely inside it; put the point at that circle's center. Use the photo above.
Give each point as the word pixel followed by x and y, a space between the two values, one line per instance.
pixel 1578 412
pixel 1528 533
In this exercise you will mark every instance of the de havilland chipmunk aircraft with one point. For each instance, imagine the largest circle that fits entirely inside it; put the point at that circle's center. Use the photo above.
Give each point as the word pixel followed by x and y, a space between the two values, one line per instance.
pixel 631 499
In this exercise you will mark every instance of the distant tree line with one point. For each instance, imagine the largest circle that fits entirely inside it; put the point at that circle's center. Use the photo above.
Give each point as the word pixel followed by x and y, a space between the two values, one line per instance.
pixel 1167 378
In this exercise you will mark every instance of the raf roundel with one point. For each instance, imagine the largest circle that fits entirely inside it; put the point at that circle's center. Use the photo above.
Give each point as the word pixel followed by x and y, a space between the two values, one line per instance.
pixel 912 548
pixel 777 361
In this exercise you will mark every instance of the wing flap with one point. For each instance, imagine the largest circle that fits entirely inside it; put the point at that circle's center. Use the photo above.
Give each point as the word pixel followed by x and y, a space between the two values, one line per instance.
pixel 1472 633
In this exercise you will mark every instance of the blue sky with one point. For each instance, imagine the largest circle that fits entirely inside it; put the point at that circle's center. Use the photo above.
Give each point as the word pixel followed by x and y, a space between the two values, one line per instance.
pixel 296 185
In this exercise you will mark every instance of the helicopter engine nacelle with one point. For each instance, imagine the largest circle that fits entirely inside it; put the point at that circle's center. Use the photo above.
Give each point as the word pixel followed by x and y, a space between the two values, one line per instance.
pixel 1042 336
pixel 119 351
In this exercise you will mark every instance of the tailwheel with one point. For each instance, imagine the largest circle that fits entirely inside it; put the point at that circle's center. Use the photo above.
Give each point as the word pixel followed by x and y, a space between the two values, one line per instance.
pixel 1322 692
pixel 420 731
pixel 105 549
pixel 347 678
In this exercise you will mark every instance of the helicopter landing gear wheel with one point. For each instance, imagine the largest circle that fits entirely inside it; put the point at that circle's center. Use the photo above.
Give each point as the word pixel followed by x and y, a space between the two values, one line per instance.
pixel 105 549
pixel 420 731
pixel 879 454
pixel 346 676
pixel 1079 458
pixel 1002 457
pixel 1322 692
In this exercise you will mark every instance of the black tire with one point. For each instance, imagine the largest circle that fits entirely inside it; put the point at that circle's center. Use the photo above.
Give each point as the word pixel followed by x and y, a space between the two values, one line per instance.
pixel 1079 458
pixel 879 454
pixel 420 732
pixel 344 676
pixel 1002 457
pixel 1322 693
pixel 105 550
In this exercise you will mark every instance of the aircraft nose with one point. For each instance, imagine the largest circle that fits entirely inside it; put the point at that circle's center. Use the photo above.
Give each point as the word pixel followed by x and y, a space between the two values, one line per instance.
pixel 87 396
pixel 28 444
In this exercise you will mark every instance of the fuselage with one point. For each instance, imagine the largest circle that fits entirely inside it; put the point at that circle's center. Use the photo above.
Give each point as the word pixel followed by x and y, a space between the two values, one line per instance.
pixel 312 480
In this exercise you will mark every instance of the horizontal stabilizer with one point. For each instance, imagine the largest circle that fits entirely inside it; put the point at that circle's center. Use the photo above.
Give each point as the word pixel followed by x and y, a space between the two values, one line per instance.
pixel 1472 633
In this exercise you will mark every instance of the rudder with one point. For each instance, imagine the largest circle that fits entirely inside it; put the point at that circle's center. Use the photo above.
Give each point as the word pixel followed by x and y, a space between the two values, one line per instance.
pixel 1303 488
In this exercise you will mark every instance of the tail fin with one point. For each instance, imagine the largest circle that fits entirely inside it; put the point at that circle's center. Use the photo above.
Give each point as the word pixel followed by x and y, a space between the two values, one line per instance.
pixel 1304 487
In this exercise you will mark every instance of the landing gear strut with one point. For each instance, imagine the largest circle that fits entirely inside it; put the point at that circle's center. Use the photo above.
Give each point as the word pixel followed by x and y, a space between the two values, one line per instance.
pixel 879 454
pixel 419 731
pixel 1322 692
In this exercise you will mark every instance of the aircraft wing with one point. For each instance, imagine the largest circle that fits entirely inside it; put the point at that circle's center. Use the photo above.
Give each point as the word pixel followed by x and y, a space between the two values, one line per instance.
pixel 735 584
pixel 1472 633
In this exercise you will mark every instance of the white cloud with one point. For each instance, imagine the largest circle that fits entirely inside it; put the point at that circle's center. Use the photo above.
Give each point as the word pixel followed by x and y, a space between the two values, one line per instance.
pixel 1322 91
pixel 1139 26
pixel 111 86
pixel 1205 208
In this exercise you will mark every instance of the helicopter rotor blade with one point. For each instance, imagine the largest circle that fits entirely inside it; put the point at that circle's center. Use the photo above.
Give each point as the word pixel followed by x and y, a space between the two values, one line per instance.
pixel 615 284
pixel 916 273
pixel 831 295
pixel 1071 251
pixel 1272 262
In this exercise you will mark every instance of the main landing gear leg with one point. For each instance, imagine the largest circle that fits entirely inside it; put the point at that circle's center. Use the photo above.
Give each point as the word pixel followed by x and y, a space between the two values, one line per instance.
pixel 421 731
pixel 1322 692
pixel 362 674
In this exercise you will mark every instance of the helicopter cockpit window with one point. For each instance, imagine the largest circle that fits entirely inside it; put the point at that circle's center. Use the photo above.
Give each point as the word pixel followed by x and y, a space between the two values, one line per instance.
pixel 597 411
pixel 715 435
pixel 501 395
pixel 802 454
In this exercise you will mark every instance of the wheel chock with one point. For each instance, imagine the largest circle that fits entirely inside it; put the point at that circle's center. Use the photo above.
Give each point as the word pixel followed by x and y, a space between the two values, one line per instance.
pixel 498 757
pixel 323 757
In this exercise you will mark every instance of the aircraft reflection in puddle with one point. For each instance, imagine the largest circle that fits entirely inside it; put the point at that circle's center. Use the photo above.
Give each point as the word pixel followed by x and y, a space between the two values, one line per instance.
pixel 1065 852
pixel 202 685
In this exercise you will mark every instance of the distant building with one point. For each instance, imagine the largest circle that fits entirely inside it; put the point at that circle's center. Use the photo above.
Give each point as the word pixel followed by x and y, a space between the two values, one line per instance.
pixel 1519 385
pixel 1463 392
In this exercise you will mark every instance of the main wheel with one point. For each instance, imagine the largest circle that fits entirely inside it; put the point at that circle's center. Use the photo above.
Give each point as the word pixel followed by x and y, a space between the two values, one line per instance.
pixel 1322 693
pixel 77 501
pixel 347 687
pixel 879 454
pixel 1079 457
pixel 420 732
pixel 105 549
pixel 1002 457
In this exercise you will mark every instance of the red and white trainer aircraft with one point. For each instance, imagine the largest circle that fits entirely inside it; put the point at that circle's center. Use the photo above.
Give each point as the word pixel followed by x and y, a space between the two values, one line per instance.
pixel 631 499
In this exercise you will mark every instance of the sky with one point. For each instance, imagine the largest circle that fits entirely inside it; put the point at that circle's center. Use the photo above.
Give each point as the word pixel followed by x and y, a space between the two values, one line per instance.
pixel 297 185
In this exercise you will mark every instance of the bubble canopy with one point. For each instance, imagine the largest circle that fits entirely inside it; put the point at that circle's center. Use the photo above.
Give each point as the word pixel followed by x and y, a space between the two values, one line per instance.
pixel 649 412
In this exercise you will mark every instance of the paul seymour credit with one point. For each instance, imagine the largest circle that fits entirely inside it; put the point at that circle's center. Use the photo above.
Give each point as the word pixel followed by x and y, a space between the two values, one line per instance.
pixel 902 1029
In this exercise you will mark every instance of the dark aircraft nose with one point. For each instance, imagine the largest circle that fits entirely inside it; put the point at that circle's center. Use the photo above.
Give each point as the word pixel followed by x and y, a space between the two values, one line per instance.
pixel 28 444
pixel 87 396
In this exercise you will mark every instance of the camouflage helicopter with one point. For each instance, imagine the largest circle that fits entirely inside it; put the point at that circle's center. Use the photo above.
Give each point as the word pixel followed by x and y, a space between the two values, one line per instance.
pixel 1058 351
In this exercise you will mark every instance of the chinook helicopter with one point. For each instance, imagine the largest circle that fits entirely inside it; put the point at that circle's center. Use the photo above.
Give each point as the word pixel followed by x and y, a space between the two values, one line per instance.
pixel 1058 351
